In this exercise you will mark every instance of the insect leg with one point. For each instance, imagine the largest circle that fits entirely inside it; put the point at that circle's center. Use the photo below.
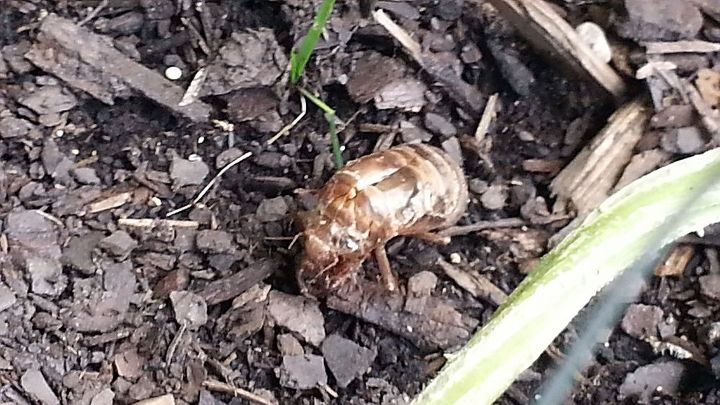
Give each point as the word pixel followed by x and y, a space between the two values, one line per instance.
pixel 385 271
pixel 433 238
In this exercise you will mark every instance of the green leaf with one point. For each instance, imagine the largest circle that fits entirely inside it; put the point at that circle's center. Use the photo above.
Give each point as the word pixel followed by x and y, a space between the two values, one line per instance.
pixel 299 59
pixel 628 225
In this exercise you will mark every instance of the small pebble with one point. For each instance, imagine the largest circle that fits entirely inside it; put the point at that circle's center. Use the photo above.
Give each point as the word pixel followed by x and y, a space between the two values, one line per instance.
pixel 495 197
pixel 173 73
pixel 478 186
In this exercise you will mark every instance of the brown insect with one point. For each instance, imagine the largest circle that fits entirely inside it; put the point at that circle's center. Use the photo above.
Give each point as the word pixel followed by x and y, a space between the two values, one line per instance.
pixel 405 190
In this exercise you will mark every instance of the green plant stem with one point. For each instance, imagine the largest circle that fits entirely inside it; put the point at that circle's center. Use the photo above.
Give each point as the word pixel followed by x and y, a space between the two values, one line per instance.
pixel 335 142
pixel 330 117
pixel 608 241
pixel 316 100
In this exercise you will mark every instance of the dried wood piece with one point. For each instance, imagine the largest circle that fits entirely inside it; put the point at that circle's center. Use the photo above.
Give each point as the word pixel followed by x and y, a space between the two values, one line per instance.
pixel 434 324
pixel 89 62
pixel 153 222
pixel 476 284
pixel 108 203
pixel 217 386
pixel 540 24
pixel 463 93
pixel 676 262
pixel 691 46
pixel 230 287
pixel 589 178
pixel 640 165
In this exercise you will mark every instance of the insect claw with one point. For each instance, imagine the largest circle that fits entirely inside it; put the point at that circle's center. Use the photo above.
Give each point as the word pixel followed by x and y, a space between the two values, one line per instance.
pixel 386 273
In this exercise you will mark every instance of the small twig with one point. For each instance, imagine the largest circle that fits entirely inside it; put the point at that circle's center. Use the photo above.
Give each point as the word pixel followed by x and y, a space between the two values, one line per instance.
pixel 482 225
pixel 94 13
pixel 198 36
pixel 288 127
pixel 212 182
pixel 151 222
pixel 244 156
pixel 174 344
pixel 462 92
pixel 329 390
pixel 52 218
pixel 217 386
pixel 412 46
pixel 487 116
pixel 693 46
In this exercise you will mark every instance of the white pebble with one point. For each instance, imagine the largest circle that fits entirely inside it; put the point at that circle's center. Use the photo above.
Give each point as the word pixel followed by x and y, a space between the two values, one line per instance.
pixel 455 258
pixel 594 37
pixel 173 73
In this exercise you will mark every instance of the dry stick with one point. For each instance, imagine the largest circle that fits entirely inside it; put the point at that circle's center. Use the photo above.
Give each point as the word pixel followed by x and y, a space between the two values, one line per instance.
pixel 217 386
pixel 174 344
pixel 541 25
pixel 463 93
pixel 151 222
pixel 694 46
pixel 94 13
pixel 482 225
pixel 212 182
pixel 244 156
pixel 288 127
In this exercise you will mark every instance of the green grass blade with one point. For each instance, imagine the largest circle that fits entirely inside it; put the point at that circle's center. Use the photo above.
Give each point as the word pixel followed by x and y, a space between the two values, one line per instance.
pixel 300 58
pixel 609 240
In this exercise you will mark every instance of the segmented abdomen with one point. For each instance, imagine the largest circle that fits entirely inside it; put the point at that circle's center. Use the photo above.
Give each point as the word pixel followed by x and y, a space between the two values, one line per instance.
pixel 407 189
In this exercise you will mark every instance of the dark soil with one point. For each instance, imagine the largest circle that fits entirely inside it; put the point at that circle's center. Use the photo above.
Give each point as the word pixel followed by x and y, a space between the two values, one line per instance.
pixel 98 309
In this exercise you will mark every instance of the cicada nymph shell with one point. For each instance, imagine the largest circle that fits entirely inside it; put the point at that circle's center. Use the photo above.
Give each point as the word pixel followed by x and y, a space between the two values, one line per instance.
pixel 409 189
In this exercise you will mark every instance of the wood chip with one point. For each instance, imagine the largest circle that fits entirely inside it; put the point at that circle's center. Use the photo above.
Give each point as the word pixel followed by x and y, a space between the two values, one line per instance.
pixel 435 325
pixel 89 62
pixel 676 262
pixel 543 27
pixel 476 284
pixel 589 178
pixel 230 287
pixel 111 202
